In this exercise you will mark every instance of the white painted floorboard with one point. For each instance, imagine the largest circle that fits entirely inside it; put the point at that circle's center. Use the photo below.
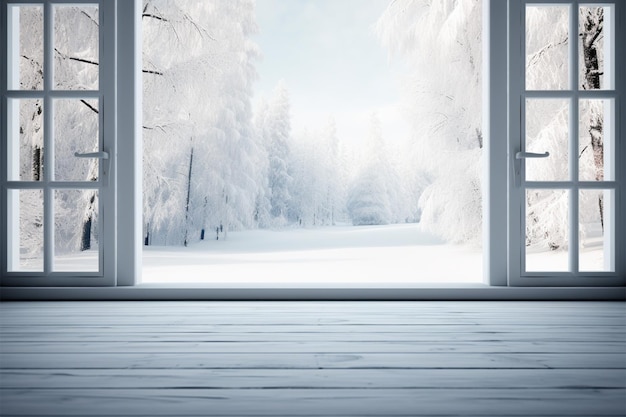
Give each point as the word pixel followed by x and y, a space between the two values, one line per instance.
pixel 312 359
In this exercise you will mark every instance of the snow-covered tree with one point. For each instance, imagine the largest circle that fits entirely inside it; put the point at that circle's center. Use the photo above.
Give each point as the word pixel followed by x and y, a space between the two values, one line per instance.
pixel 305 184
pixel 592 33
pixel 262 206
pixel 414 179
pixel 376 195
pixel 319 177
pixel 277 131
pixel 546 47
pixel 368 200
pixel 441 42
pixel 199 68
pixel 334 175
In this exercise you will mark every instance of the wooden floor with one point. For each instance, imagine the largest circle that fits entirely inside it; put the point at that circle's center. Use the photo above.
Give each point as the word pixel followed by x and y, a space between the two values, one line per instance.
pixel 313 359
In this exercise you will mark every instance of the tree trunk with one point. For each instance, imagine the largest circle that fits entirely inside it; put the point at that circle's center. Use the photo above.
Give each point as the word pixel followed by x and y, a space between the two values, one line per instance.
pixel 37 163
pixel 225 223
pixel 37 147
pixel 146 240
pixel 593 19
pixel 85 240
pixel 204 217
pixel 188 197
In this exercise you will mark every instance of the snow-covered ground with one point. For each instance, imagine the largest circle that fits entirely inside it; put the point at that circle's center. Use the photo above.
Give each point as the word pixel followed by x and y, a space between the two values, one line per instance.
pixel 594 254
pixel 340 255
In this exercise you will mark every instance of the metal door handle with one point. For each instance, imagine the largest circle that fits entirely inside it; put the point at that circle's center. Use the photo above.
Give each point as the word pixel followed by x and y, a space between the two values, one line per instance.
pixel 99 155
pixel 524 155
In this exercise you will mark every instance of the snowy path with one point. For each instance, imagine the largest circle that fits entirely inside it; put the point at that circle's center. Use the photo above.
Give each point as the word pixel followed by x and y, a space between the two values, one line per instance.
pixel 342 255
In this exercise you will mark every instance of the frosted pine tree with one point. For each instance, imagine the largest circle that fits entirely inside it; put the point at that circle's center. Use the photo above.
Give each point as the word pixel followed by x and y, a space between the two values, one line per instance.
pixel 278 131
pixel 262 205
pixel 376 196
pixel 368 202
pixel 335 175
pixel 305 185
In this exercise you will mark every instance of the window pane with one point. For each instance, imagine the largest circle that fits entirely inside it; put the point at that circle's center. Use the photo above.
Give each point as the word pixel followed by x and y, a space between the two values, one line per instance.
pixel 25 140
pixel 547 122
pixel 597 140
pixel 25 47
pixel 75 130
pixel 76 234
pixel 547 56
pixel 597 242
pixel 76 47
pixel 596 47
pixel 547 230
pixel 25 230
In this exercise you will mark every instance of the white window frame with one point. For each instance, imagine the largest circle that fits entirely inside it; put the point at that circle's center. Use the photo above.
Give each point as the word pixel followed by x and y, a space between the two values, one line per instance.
pixel 497 229
pixel 129 143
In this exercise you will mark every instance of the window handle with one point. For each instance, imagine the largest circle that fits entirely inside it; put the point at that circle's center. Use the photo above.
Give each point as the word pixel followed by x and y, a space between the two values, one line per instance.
pixel 98 155
pixel 524 155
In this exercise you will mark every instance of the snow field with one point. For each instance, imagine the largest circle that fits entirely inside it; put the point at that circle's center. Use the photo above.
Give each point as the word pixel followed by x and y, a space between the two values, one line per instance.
pixel 341 255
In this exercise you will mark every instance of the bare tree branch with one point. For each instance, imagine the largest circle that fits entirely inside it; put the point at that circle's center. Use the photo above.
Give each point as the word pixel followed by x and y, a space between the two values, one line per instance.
pixel 71 58
pixel 89 17
pixel 537 55
pixel 92 108
pixel 153 16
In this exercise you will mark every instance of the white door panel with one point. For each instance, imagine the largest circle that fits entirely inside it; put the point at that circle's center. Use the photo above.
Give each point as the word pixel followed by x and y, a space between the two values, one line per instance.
pixel 58 143
pixel 564 143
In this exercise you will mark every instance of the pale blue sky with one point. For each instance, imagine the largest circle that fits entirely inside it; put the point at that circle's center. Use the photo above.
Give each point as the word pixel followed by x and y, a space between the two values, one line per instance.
pixel 328 54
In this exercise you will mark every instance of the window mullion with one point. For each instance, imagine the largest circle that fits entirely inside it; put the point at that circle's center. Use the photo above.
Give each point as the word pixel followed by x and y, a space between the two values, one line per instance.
pixel 48 148
pixel 573 139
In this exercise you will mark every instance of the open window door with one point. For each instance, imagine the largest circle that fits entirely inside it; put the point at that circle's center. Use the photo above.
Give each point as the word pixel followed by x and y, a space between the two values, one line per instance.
pixel 58 143
pixel 566 136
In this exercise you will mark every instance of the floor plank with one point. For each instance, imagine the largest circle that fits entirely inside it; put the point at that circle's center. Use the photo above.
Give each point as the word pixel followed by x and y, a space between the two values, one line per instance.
pixel 293 402
pixel 311 346
pixel 313 359
pixel 314 378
